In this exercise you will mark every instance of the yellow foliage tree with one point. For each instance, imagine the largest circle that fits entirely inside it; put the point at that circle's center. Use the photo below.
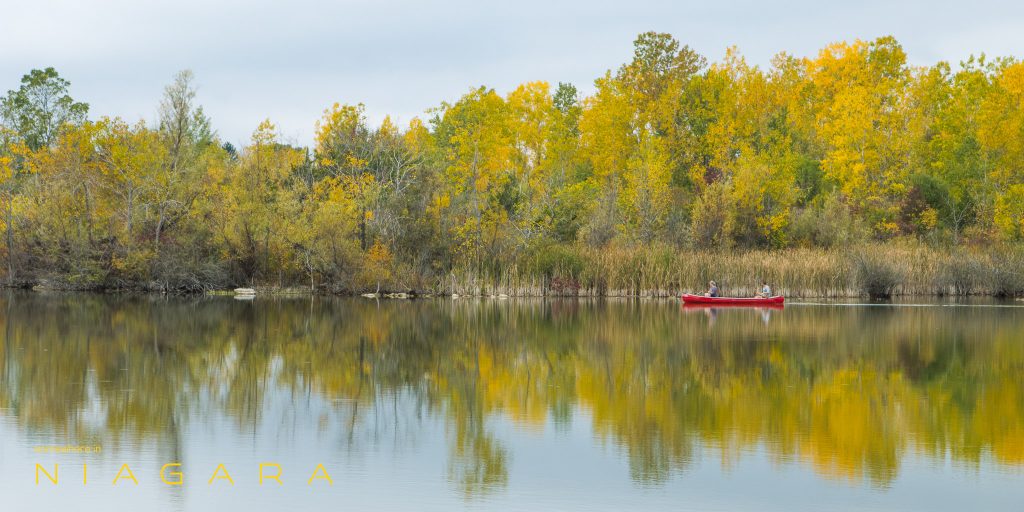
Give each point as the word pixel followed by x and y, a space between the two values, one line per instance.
pixel 255 201
pixel 863 122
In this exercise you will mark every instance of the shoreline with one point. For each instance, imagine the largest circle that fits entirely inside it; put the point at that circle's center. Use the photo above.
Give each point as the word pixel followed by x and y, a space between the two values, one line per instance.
pixel 791 300
pixel 874 271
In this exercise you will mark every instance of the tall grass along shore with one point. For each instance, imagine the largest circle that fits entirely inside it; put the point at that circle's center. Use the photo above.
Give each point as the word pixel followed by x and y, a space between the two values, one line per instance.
pixel 870 270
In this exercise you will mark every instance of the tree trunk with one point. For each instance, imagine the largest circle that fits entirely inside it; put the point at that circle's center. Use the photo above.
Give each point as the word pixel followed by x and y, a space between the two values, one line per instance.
pixel 88 214
pixel 478 211
pixel 362 229
pixel 159 227
pixel 131 206
pixel 10 239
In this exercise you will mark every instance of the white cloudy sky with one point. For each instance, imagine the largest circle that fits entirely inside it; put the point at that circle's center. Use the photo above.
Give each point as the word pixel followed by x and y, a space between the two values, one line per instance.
pixel 287 60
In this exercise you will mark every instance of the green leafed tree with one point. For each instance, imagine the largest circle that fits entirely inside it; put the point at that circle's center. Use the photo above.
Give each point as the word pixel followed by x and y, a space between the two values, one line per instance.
pixel 39 109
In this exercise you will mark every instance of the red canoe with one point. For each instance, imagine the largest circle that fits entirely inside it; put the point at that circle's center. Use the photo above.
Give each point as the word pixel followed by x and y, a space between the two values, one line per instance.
pixel 689 306
pixel 733 301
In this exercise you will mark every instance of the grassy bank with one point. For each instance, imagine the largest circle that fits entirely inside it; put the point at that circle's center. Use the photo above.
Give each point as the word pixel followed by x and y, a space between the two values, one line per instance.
pixel 864 271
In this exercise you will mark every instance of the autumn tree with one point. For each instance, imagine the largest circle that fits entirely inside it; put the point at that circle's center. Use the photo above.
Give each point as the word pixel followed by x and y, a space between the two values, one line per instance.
pixel 474 136
pixel 1001 134
pixel 750 151
pixel 637 131
pixel 31 119
pixel 863 122
pixel 40 108
pixel 258 207
pixel 189 144
pixel 345 150
pixel 12 168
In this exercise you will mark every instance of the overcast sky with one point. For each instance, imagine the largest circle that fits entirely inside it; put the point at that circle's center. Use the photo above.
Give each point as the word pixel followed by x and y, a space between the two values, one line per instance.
pixel 287 60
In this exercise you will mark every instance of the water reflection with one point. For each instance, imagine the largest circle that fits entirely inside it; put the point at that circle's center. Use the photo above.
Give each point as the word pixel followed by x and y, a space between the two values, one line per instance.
pixel 849 392
pixel 711 311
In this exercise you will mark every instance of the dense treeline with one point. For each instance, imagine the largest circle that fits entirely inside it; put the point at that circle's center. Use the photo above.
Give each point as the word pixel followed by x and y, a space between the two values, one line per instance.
pixel 670 151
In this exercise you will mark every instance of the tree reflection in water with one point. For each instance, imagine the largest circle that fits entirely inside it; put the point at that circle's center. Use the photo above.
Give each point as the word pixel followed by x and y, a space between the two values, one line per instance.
pixel 848 391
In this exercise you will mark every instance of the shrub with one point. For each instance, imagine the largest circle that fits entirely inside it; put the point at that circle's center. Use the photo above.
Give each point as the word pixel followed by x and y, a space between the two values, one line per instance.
pixel 1005 275
pixel 561 267
pixel 713 221
pixel 828 223
pixel 875 276
pixel 960 274
pixel 558 261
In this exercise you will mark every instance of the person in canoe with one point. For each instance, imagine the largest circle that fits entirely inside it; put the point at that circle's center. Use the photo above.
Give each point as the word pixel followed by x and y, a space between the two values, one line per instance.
pixel 766 291
pixel 712 289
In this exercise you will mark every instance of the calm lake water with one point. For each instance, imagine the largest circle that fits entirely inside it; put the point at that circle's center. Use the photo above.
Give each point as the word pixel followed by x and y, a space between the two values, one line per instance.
pixel 508 405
